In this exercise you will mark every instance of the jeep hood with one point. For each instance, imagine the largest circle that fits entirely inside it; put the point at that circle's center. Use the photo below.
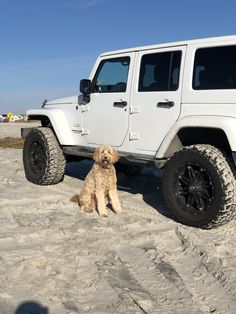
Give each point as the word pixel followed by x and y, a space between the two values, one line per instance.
pixel 63 100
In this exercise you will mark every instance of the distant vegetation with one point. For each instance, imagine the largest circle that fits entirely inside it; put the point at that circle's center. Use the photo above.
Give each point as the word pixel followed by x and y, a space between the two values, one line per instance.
pixel 11 142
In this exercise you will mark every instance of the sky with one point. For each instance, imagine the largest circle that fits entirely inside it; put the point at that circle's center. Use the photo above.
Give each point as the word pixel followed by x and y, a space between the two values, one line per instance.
pixel 47 46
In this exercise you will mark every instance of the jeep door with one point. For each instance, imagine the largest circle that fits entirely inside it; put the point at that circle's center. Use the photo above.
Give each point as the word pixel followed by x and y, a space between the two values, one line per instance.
pixel 156 96
pixel 106 116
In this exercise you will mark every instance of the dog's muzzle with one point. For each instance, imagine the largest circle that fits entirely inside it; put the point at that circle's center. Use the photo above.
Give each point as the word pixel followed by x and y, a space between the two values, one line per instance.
pixel 105 162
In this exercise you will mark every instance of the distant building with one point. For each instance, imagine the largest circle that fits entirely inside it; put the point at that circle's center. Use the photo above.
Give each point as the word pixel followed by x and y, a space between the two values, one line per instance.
pixel 3 118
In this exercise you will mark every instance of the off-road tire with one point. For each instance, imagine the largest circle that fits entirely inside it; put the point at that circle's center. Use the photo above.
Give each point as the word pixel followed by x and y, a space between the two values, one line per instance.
pixel 199 187
pixel 43 159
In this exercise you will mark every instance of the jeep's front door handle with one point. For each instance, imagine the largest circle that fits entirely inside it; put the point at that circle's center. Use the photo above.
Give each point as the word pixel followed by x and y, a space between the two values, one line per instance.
pixel 165 104
pixel 120 104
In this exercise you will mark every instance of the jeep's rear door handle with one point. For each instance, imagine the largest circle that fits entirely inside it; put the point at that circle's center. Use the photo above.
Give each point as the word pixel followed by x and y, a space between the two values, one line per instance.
pixel 165 104
pixel 120 104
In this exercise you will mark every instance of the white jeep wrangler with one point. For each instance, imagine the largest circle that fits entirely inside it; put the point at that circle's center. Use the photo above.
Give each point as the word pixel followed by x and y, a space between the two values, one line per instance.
pixel 170 106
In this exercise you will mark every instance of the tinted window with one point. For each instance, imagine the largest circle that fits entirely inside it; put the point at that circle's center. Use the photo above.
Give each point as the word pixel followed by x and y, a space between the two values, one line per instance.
pixel 215 68
pixel 112 76
pixel 160 72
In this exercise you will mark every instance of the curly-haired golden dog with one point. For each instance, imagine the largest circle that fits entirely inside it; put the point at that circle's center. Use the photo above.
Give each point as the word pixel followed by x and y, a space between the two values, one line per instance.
pixel 100 183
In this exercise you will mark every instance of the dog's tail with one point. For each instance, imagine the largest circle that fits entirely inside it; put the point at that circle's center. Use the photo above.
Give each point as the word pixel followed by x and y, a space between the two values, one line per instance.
pixel 75 199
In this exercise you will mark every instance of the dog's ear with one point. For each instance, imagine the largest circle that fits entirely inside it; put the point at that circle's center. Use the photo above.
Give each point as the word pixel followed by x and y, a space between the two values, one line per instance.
pixel 115 155
pixel 96 155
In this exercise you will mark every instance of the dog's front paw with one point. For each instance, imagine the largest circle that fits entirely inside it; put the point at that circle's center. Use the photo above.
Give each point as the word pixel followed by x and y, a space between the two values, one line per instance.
pixel 86 209
pixel 104 215
pixel 119 211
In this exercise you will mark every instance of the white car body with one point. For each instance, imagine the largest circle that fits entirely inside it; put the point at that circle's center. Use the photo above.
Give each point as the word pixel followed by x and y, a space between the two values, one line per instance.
pixel 143 128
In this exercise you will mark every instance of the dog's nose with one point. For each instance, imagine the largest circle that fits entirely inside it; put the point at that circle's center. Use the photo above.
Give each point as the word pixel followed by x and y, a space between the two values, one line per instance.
pixel 105 157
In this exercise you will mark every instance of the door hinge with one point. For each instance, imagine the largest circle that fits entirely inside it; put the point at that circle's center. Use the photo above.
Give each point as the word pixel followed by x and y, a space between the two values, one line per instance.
pixel 84 108
pixel 134 109
pixel 134 136
pixel 84 131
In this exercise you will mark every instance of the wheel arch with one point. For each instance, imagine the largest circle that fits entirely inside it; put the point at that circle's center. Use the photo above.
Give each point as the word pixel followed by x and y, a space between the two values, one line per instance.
pixel 56 120
pixel 218 132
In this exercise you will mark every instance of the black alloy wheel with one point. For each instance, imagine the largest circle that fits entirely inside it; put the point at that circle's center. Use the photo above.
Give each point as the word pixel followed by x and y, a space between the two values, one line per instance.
pixel 194 188
pixel 37 157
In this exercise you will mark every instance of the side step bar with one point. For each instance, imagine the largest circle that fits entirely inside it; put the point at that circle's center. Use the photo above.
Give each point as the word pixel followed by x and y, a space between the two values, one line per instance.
pixel 136 159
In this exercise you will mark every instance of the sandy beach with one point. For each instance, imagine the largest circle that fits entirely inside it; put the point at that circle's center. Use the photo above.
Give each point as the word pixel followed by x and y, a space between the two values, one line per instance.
pixel 142 261
pixel 14 129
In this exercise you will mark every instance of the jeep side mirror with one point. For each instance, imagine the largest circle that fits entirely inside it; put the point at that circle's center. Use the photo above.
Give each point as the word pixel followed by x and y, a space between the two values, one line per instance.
pixel 85 86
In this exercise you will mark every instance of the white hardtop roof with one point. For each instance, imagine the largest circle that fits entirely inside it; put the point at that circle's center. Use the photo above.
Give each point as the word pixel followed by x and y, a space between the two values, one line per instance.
pixel 172 44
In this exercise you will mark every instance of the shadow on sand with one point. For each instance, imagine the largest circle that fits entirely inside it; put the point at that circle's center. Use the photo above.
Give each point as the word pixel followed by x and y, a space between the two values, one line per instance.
pixel 31 307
